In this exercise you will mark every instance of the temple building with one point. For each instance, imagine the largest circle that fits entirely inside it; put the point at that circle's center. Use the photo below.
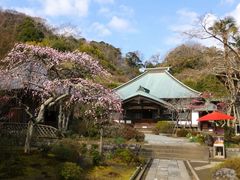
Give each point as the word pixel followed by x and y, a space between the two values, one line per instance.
pixel 157 95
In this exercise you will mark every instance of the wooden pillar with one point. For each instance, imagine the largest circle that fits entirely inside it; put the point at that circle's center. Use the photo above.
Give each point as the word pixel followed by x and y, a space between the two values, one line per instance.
pixel 158 113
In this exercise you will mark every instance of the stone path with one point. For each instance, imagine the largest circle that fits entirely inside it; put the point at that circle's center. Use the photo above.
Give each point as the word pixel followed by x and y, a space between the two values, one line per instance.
pixel 163 169
pixel 165 140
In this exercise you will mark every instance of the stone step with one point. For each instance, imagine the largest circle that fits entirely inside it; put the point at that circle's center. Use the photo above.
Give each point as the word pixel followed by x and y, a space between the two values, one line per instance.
pixel 175 147
pixel 175 152
pixel 144 125
pixel 182 154
pixel 149 131
pixel 178 152
pixel 179 157
pixel 145 131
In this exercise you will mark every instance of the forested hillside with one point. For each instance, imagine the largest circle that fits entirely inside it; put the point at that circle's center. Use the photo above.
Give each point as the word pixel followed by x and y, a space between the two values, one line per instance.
pixel 193 64
pixel 190 63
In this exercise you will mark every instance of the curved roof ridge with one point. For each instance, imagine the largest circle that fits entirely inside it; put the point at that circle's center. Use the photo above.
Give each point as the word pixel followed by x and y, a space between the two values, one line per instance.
pixel 181 83
pixel 158 68
pixel 147 71
pixel 130 81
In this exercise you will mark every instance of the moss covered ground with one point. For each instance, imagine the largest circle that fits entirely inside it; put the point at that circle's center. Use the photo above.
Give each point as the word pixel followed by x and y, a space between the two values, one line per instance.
pixel 16 165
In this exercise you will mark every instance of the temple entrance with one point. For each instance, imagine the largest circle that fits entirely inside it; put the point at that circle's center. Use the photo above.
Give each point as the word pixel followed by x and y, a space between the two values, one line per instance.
pixel 140 109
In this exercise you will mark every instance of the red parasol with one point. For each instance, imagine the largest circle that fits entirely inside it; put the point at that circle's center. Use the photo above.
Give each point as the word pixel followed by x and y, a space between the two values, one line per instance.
pixel 215 116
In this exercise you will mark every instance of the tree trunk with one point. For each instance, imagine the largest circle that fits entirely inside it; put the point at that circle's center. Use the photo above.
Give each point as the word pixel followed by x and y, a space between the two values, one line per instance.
pixel 60 116
pixel 101 141
pixel 67 121
pixel 27 146
pixel 39 118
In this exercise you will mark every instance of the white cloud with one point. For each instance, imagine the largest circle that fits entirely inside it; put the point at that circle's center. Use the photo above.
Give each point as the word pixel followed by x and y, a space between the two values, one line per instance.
pixel 68 30
pixel 65 7
pixel 82 6
pixel 236 14
pixel 186 20
pixel 100 29
pixel 119 24
pixel 174 40
pixel 105 1
pixel 106 12
pixel 209 19
pixel 189 22
pixel 121 19
pixel 223 2
pixel 121 11
pixel 187 16
pixel 28 11
pixel 126 11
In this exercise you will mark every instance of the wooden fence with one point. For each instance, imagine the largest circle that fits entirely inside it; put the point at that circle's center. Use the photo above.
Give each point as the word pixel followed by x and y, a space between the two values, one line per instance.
pixel 20 129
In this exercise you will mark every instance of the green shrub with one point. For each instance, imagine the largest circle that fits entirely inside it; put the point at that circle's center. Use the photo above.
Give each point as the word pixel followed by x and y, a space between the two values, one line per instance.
pixel 94 147
pixel 128 132
pixel 93 132
pixel 96 158
pixel 232 163
pixel 182 132
pixel 191 137
pixel 65 152
pixel 163 127
pixel 208 139
pixel 45 149
pixel 194 133
pixel 139 136
pixel 119 140
pixel 83 148
pixel 200 138
pixel 124 155
pixel 234 142
pixel 229 132
pixel 70 171
pixel 235 139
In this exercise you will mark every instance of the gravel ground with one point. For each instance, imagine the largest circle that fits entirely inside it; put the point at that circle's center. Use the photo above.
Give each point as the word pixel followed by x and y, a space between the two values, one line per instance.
pixel 167 140
pixel 203 169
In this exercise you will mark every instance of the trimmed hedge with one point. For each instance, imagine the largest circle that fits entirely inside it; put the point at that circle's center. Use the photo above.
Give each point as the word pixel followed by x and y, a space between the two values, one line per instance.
pixel 163 127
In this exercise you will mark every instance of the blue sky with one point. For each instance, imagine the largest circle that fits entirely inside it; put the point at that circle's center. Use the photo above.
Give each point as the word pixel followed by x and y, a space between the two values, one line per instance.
pixel 151 27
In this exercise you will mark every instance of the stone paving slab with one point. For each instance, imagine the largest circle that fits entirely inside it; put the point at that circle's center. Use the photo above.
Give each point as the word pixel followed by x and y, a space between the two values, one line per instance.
pixel 164 169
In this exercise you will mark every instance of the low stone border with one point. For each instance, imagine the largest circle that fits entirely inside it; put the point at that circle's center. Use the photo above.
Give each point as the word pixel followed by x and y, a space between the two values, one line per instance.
pixel 140 171
pixel 192 171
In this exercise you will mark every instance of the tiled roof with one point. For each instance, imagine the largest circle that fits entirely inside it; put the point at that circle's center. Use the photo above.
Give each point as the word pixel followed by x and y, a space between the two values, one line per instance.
pixel 160 83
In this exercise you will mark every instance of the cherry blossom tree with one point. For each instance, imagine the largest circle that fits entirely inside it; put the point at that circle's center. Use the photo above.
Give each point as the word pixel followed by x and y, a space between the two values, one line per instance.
pixel 62 79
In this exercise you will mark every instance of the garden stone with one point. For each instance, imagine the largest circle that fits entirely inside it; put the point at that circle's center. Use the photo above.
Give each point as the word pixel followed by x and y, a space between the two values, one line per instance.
pixel 225 174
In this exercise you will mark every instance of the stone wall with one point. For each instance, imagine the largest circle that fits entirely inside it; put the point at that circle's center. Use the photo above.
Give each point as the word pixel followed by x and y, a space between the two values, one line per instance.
pixel 232 152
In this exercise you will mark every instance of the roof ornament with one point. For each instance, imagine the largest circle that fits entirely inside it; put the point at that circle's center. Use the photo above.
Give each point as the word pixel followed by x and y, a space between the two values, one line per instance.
pixel 142 69
pixel 141 88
